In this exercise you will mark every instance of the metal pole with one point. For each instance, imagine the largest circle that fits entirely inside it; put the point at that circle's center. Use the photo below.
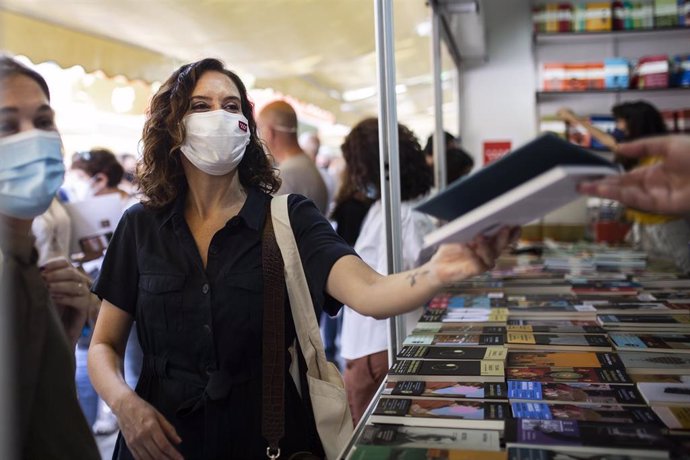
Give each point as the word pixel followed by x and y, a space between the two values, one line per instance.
pixel 439 135
pixel 388 153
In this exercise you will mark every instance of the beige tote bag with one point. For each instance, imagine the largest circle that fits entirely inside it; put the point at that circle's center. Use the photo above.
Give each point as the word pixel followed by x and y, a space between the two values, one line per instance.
pixel 326 388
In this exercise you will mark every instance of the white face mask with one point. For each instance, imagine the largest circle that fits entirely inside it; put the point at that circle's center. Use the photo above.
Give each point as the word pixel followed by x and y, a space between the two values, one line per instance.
pixel 215 141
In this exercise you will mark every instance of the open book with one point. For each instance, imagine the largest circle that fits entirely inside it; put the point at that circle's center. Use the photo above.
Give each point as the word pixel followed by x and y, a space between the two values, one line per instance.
pixel 522 186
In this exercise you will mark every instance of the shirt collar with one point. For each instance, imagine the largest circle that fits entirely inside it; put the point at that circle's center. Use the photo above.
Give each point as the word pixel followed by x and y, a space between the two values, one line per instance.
pixel 253 211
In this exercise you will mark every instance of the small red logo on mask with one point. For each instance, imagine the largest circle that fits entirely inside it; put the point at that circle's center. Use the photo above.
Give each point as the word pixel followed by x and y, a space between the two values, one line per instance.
pixel 243 126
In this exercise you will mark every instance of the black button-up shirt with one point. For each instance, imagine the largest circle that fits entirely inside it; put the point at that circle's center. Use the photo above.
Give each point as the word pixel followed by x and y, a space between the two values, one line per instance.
pixel 195 324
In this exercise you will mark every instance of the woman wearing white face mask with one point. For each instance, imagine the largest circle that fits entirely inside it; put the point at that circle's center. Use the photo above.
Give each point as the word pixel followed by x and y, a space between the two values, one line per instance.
pixel 187 265
pixel 50 423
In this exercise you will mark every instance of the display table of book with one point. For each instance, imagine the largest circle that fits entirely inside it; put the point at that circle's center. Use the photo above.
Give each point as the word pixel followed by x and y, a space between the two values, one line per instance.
pixel 582 353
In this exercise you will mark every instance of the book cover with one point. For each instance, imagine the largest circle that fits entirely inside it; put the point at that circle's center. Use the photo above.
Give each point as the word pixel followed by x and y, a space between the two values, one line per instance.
pixel 453 353
pixel 668 343
pixel 591 453
pixel 605 413
pixel 587 393
pixel 635 322
pixel 523 340
pixel 565 329
pixel 397 453
pixel 441 413
pixel 556 323
pixel 573 433
pixel 439 328
pixel 514 190
pixel 462 340
pixel 675 418
pixel 568 374
pixel 655 363
pixel 562 359
pixel 412 436
pixel 448 389
pixel 440 371
pixel 665 394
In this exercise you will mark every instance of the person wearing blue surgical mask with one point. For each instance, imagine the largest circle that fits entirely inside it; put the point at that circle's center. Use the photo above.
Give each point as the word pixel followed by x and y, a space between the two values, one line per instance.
pixel 186 264
pixel 49 422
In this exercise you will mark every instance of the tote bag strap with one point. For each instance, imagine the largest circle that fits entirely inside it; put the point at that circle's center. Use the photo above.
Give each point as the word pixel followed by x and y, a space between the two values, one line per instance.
pixel 301 304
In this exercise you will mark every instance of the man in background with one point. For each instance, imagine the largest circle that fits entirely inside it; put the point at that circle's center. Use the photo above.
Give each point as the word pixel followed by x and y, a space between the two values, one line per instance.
pixel 277 124
pixel 311 144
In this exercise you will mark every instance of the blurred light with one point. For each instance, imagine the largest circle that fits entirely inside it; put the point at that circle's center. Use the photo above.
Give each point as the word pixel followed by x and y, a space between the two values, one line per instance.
pixel 424 28
pixel 122 99
pixel 360 94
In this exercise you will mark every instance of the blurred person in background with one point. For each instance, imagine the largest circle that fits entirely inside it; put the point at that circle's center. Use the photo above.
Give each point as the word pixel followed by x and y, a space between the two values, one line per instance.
pixel 364 339
pixel 129 181
pixel 97 172
pixel 277 124
pixel 311 144
pixel 47 308
pixel 186 263
pixel 660 235
pixel 459 163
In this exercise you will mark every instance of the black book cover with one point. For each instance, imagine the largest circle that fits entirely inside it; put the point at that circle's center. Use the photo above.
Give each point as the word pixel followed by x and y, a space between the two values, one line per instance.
pixel 519 166
pixel 449 353
pixel 458 390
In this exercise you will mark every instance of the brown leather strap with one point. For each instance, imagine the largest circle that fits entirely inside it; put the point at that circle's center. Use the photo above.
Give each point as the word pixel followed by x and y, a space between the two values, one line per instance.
pixel 273 378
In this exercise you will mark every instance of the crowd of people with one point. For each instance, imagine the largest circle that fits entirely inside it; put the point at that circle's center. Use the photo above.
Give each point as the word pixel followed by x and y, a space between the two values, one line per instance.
pixel 163 340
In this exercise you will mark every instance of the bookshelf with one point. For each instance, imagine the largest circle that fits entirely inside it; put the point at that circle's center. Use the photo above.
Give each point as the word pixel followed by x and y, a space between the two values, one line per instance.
pixel 543 95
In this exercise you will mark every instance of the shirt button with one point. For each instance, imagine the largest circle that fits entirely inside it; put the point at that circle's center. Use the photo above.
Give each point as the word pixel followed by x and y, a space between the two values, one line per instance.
pixel 207 329
pixel 205 288
pixel 213 249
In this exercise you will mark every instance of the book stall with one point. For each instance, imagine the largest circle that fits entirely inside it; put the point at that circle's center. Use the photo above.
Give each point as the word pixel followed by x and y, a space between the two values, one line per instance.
pixel 552 355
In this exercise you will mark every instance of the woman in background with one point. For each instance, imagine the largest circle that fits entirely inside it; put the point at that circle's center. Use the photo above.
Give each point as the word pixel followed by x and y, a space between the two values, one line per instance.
pixel 661 236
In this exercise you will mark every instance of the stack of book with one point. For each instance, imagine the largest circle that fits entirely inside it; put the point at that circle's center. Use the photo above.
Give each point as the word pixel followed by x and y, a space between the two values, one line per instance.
pixel 542 363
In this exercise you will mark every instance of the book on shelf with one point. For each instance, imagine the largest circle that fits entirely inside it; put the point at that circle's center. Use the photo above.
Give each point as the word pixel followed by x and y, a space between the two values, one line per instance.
pixel 441 413
pixel 518 188
pixel 675 418
pixel 397 453
pixel 634 322
pixel 666 343
pixel 563 359
pixel 665 394
pixel 635 308
pixel 442 371
pixel 608 288
pixel 590 328
pixel 462 340
pixel 676 296
pixel 643 362
pixel 447 389
pixel 574 393
pixel 453 353
pixel 604 413
pixel 425 437
pixel 560 323
pixel 554 311
pixel 578 436
pixel 583 453
pixel 585 342
pixel 424 328
pixel 568 374
pixel 465 301
pixel 660 378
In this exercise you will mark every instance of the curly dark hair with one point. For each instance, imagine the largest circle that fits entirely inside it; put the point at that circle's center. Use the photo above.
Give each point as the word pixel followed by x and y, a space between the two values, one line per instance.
pixel 99 160
pixel 160 172
pixel 362 171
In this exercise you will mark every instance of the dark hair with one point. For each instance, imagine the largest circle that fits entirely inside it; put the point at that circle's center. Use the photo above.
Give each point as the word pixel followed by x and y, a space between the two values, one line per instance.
pixel 429 147
pixel 458 164
pixel 99 160
pixel 642 119
pixel 9 67
pixel 160 172
pixel 361 154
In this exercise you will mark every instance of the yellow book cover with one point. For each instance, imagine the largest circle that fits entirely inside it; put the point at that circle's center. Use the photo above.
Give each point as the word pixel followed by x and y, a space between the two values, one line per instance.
pixel 520 337
pixel 492 368
pixel 496 353
pixel 598 16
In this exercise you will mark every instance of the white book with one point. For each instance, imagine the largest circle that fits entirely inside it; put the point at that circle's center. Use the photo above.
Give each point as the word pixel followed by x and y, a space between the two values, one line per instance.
pixel 665 394
pixel 519 206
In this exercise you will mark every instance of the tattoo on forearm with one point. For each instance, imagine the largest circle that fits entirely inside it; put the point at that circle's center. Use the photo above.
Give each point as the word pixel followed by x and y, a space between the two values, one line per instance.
pixel 413 276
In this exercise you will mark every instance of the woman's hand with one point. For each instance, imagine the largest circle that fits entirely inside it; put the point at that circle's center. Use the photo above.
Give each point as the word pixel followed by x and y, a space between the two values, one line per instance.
pixel 69 290
pixel 148 434
pixel 456 262
pixel 568 115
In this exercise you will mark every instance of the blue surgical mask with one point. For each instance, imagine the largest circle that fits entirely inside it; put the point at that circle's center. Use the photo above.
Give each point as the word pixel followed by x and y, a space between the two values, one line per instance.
pixel 31 171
